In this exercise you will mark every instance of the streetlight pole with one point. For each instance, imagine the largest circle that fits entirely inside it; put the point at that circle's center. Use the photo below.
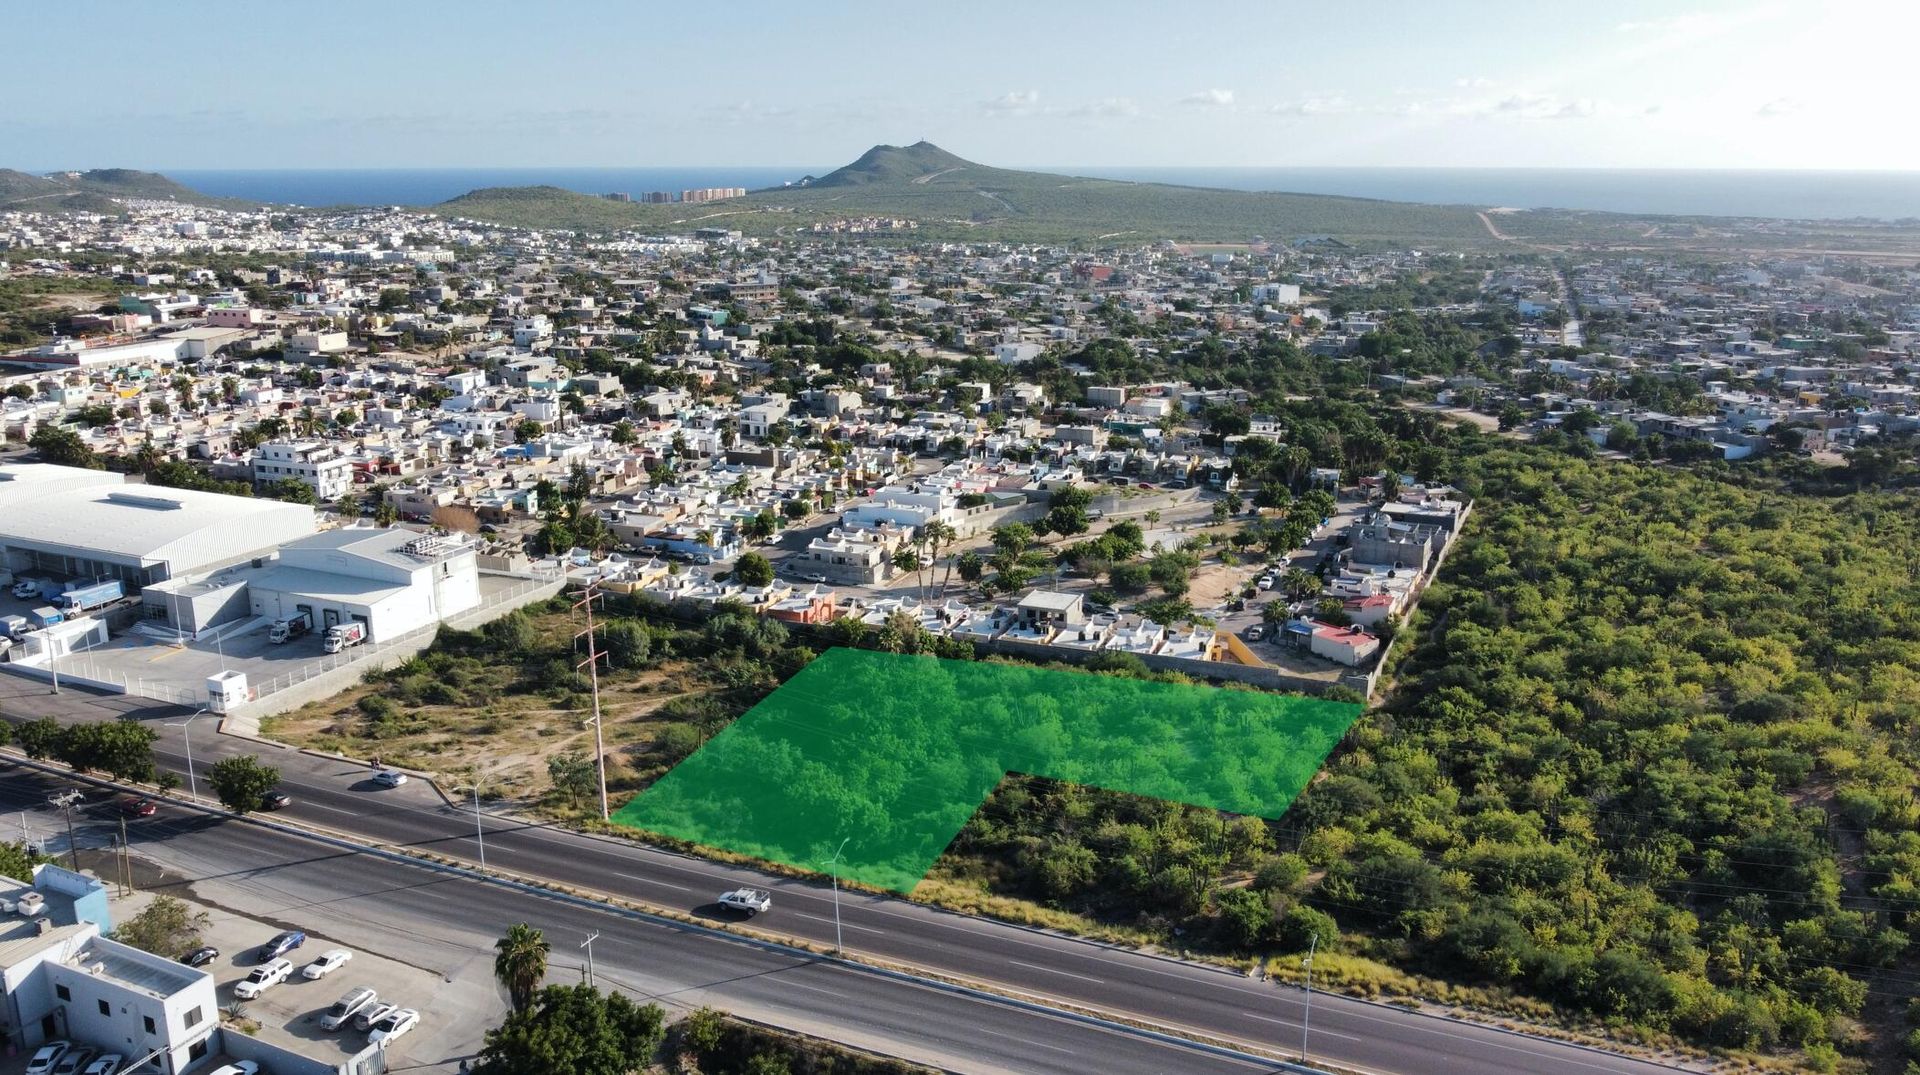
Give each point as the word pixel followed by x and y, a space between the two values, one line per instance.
pixel 479 833
pixel 186 736
pixel 833 866
pixel 592 664
pixel 1306 1017
pixel 588 945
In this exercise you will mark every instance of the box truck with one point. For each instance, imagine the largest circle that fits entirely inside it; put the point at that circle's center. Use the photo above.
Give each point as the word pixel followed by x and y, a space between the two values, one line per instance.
pixel 342 635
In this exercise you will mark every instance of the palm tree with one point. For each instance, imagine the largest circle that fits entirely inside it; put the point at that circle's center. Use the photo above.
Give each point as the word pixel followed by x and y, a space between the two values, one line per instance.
pixel 520 962
pixel 938 533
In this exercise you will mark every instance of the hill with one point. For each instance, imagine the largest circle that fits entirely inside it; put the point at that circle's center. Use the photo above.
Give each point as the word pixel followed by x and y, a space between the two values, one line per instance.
pixel 101 190
pixel 949 197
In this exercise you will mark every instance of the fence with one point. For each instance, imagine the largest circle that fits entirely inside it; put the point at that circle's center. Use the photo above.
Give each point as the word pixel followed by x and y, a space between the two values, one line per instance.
pixel 81 669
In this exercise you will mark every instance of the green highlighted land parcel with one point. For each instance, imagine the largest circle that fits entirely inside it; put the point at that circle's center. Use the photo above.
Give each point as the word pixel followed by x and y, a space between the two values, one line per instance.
pixel 894 753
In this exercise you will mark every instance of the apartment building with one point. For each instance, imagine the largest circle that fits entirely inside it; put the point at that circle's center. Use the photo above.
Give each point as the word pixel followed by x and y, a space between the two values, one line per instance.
pixel 321 466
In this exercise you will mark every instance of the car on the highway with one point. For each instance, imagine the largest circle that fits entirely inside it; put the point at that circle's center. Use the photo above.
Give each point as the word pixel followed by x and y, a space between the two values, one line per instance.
pixel 750 900
pixel 371 1014
pixel 392 1025
pixel 329 961
pixel 263 978
pixel 47 1056
pixel 280 944
pixel 201 956
pixel 389 778
pixel 138 807
pixel 349 1005
pixel 105 1065
pixel 275 800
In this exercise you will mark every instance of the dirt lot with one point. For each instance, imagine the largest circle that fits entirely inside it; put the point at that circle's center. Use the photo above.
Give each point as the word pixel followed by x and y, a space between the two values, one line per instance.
pixel 481 718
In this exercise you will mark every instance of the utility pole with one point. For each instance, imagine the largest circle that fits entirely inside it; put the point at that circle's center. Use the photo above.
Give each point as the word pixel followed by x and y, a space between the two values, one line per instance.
pixel 1306 1017
pixel 65 800
pixel 588 945
pixel 588 596
pixel 126 857
pixel 479 833
pixel 833 865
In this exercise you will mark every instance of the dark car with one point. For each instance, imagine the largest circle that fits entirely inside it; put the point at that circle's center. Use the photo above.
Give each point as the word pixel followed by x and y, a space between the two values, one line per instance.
pixel 275 800
pixel 201 956
pixel 280 945
pixel 141 807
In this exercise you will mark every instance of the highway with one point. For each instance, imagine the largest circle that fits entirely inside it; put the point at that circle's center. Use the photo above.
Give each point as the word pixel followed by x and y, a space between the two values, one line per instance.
pixel 1178 997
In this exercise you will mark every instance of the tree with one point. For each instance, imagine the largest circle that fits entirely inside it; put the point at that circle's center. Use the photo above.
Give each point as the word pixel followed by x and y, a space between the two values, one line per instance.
pixel 64 446
pixel 574 1029
pixel 291 490
pixel 39 738
pixel 752 569
pixel 971 566
pixel 1012 538
pixel 241 782
pixel 1067 519
pixel 623 432
pixel 572 775
pixel 120 747
pixel 165 927
pixel 906 560
pixel 17 861
pixel 628 643
pixel 520 963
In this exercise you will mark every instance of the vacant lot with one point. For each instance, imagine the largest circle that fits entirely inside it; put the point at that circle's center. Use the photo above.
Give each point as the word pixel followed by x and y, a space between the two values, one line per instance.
pixel 894 753
pixel 501 702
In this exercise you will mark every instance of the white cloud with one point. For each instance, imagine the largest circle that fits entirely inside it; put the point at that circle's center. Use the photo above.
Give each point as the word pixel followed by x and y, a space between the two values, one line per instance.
pixel 1209 99
pixel 1106 106
pixel 1541 106
pixel 1475 83
pixel 1315 106
pixel 1779 106
pixel 1014 102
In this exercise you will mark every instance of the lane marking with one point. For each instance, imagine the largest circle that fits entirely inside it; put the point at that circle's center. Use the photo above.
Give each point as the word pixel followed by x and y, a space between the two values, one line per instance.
pixel 1023 1041
pixel 330 809
pixel 1295 1025
pixel 652 881
pixel 815 988
pixel 829 921
pixel 1050 970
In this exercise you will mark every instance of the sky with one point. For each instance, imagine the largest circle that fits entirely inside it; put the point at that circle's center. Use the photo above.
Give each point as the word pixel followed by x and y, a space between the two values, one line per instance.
pixel 1824 84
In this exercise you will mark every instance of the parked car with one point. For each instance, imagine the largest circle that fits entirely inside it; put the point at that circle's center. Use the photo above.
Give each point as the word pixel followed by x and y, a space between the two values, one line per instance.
pixel 275 800
pixel 263 978
pixel 392 1025
pixel 201 956
pixel 750 900
pixel 349 1005
pixel 371 1014
pixel 238 1067
pixel 105 1065
pixel 330 960
pixel 46 1057
pixel 75 1059
pixel 389 778
pixel 140 807
pixel 280 945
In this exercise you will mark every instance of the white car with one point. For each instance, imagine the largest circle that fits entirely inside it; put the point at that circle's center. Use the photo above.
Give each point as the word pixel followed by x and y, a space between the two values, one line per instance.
pixel 264 976
pixel 750 900
pixel 46 1057
pixel 106 1065
pixel 326 963
pixel 241 1067
pixel 366 1017
pixel 392 1025
pixel 389 778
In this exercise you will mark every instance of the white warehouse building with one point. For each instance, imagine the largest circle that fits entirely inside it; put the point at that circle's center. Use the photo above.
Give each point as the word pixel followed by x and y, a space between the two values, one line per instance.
pixel 393 581
pixel 70 522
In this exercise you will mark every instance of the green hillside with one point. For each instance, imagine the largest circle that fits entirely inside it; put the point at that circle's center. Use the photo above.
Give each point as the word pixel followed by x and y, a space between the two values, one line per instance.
pixel 100 190
pixel 951 197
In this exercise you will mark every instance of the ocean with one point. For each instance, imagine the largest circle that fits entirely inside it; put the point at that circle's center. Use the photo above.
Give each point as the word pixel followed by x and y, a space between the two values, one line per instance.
pixel 1810 195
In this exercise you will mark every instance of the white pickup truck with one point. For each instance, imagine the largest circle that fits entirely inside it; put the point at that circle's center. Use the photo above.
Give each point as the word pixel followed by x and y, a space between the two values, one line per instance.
pixel 750 900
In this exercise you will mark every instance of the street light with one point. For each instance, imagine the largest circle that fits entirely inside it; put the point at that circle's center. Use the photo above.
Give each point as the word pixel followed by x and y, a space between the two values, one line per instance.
pixel 588 945
pixel 186 736
pixel 65 800
pixel 1306 1018
pixel 833 866
pixel 479 834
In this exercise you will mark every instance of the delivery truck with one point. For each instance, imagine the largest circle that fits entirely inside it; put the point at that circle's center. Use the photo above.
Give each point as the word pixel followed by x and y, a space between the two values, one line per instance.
pixel 290 628
pixel 87 598
pixel 342 635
